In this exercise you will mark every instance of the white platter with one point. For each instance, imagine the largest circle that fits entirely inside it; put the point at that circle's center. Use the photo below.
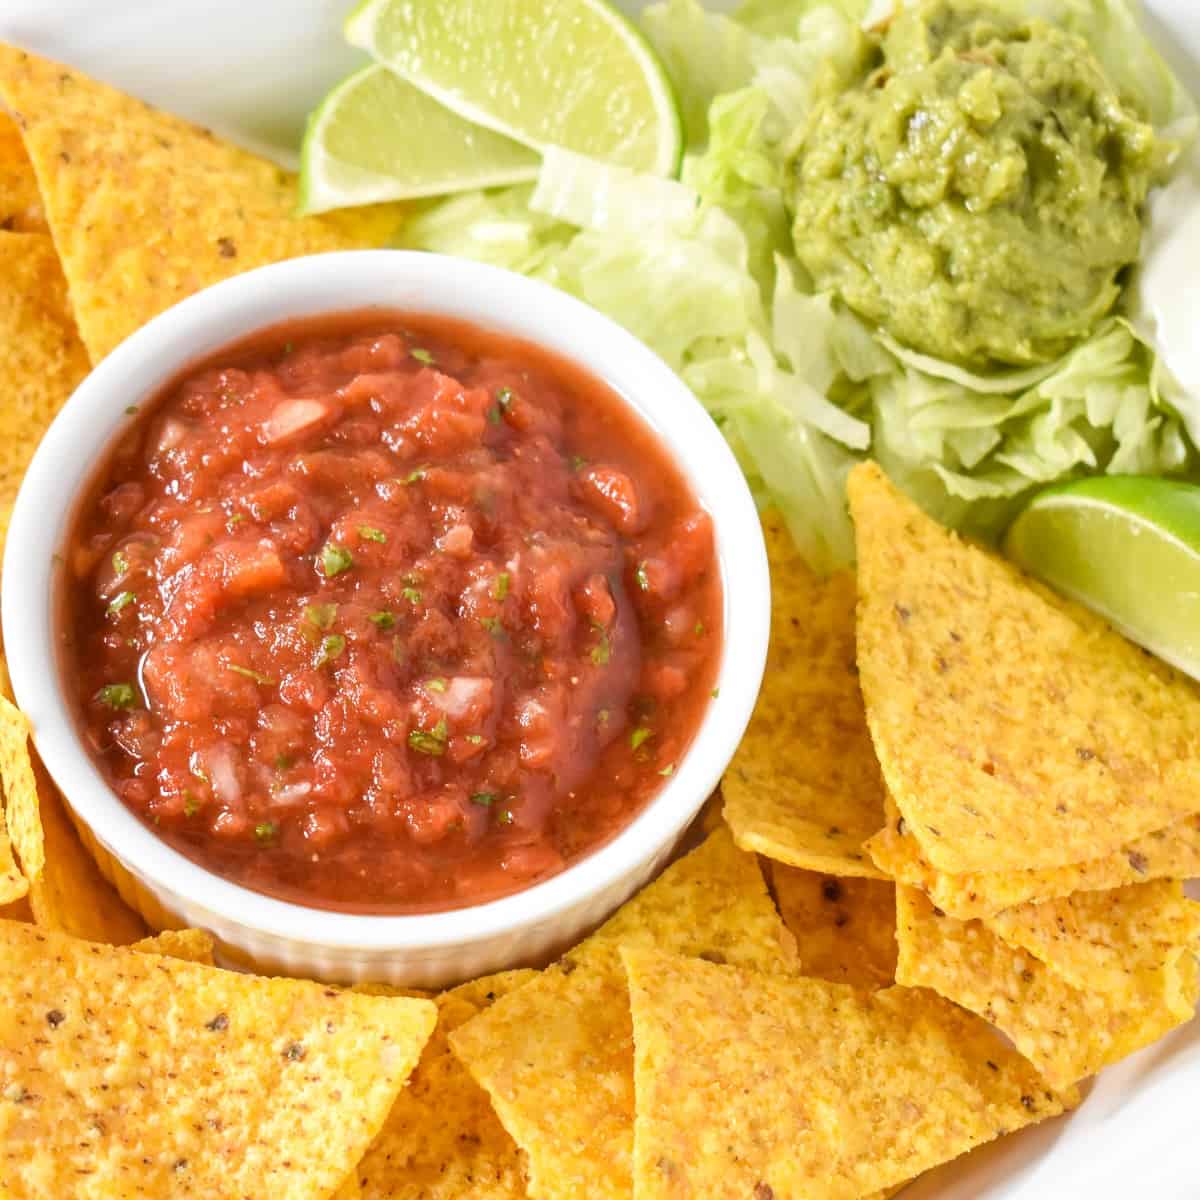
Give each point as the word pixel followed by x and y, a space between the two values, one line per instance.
pixel 251 69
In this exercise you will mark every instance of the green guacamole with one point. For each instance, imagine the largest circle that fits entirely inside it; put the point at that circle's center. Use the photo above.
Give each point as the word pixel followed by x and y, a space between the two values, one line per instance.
pixel 978 191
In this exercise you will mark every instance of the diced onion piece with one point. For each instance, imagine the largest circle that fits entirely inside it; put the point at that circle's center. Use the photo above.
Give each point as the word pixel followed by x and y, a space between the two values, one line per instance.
pixel 222 772
pixel 291 417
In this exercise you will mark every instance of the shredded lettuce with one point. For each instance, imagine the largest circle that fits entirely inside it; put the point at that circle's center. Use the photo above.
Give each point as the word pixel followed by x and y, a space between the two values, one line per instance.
pixel 702 269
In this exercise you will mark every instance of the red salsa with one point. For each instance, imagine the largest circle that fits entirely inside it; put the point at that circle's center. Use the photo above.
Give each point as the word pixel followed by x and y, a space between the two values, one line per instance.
pixel 385 613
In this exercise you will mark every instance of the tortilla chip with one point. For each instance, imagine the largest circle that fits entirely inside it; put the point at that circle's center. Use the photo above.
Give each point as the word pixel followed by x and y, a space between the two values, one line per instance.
pixel 41 357
pixel 845 929
pixel 147 209
pixel 20 201
pixel 1067 1032
pixel 13 885
pixel 1015 730
pixel 66 890
pixel 18 910
pixel 15 772
pixel 804 787
pixel 754 1085
pixel 442 1139
pixel 156 1077
pixel 1168 853
pixel 1105 940
pixel 711 817
pixel 557 1055
pixel 349 1190
pixel 191 945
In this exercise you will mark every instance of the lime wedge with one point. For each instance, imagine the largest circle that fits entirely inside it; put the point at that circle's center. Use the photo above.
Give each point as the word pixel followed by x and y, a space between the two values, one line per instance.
pixel 376 137
pixel 1127 547
pixel 569 73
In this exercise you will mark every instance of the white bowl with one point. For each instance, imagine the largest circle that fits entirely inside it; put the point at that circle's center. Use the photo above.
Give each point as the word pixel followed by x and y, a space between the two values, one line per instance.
pixel 273 935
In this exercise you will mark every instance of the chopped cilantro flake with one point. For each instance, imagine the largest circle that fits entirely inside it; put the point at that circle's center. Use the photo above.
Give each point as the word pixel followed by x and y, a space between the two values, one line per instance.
pixel 699 629
pixel 500 590
pixel 422 356
pixel 668 770
pixel 283 762
pixel 493 415
pixel 505 816
pixel 120 562
pixel 382 620
pixel 335 559
pixel 715 693
pixel 235 521
pixel 411 595
pixel 248 673
pixel 191 806
pixel 431 741
pixel 578 462
pixel 492 625
pixel 131 410
pixel 435 685
pixel 334 646
pixel 265 831
pixel 320 615
pixel 475 739
pixel 643 580
pixel 639 736
pixel 117 695
pixel 370 534
pixel 484 799
pixel 602 650
pixel 504 398
pixel 416 476
pixel 120 601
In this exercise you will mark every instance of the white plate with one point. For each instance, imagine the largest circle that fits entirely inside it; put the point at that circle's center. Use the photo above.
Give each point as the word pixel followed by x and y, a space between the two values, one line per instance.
pixel 251 69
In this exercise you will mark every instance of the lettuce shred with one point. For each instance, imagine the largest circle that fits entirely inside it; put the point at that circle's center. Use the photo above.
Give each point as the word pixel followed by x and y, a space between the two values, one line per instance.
pixel 701 269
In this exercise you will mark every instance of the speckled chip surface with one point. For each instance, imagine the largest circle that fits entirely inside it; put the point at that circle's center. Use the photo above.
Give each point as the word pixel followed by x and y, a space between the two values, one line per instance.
pixel 1015 730
pixel 131 1074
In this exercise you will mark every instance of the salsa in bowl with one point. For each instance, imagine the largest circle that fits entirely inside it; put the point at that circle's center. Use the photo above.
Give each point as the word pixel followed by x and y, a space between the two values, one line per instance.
pixel 405 612
pixel 384 613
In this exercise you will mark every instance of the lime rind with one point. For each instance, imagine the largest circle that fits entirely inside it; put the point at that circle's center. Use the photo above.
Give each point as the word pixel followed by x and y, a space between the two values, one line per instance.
pixel 1169 504
pixel 363 29
pixel 1128 548
pixel 390 141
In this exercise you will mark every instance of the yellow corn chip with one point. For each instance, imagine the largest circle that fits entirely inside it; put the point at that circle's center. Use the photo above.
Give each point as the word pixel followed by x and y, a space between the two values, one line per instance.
pixel 750 1085
pixel 1173 852
pixel 804 787
pixel 147 209
pixel 18 910
pixel 20 201
pixel 191 945
pixel 41 357
pixel 149 1076
pixel 349 1190
pixel 442 1140
pixel 1014 729
pixel 1105 940
pixel 556 1056
pixel 845 929
pixel 711 817
pixel 66 890
pixel 1067 1032
pixel 13 885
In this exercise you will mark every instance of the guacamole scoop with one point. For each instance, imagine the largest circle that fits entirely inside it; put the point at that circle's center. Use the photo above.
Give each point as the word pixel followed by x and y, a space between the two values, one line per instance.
pixel 978 190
